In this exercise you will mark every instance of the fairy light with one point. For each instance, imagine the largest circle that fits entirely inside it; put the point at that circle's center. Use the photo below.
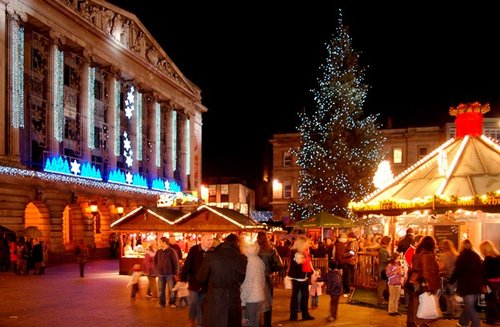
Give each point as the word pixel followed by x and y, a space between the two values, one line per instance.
pixel 17 74
pixel 158 135
pixel 138 131
pixel 340 146
pixel 58 94
pixel 91 109
pixel 174 140
pixel 117 118
pixel 78 181
pixel 188 147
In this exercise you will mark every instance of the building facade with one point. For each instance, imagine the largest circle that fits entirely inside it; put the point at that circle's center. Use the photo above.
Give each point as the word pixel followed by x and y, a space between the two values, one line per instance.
pixel 229 193
pixel 403 148
pixel 95 113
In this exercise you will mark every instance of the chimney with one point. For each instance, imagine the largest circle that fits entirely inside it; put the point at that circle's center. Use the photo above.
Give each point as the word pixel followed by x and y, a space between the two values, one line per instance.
pixel 469 118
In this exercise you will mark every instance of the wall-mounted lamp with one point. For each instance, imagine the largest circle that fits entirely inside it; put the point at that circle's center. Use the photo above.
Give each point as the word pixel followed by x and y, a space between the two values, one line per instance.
pixel 93 209
pixel 119 210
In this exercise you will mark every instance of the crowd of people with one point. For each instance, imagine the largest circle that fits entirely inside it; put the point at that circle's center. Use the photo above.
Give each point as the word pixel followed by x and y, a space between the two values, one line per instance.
pixel 230 282
pixel 23 256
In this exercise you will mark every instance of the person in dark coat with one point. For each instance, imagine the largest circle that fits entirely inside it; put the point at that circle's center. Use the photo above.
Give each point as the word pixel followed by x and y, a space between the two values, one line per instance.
pixel 197 290
pixel 273 263
pixel 224 270
pixel 468 275
pixel 333 282
pixel 405 242
pixel 167 268
pixel 491 278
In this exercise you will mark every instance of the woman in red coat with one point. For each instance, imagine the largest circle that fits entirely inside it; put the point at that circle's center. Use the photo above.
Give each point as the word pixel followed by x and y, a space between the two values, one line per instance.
pixel 425 275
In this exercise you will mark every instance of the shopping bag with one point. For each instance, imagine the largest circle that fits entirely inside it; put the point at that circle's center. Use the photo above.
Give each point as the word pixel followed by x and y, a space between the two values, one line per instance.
pixel 288 283
pixel 428 307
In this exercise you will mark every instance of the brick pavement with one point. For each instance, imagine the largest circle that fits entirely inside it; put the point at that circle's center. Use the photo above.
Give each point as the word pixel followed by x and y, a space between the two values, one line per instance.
pixel 101 298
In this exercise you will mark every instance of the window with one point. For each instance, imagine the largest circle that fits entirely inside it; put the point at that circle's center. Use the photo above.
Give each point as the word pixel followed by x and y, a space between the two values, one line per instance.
pixel 397 155
pixel 287 159
pixel 212 193
pixel 422 152
pixel 98 90
pixel 287 189
pixel 224 193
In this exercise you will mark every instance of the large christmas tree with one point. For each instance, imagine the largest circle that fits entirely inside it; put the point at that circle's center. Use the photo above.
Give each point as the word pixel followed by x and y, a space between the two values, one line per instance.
pixel 340 147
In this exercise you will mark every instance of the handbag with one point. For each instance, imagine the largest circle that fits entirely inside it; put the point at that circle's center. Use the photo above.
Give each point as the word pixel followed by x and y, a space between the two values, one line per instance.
pixel 288 283
pixel 428 307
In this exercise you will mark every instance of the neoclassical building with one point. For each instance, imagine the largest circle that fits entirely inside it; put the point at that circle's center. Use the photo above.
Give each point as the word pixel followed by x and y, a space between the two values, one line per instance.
pixel 94 115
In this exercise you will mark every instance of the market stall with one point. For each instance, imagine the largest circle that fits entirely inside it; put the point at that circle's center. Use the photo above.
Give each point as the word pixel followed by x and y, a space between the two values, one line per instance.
pixel 139 227
pixel 144 225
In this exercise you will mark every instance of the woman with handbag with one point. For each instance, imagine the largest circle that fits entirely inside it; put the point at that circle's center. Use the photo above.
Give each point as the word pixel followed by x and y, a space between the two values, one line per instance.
pixel 424 277
pixel 299 271
pixel 467 275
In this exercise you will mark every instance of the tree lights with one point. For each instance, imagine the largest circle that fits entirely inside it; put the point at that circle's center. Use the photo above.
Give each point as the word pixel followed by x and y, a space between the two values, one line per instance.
pixel 339 148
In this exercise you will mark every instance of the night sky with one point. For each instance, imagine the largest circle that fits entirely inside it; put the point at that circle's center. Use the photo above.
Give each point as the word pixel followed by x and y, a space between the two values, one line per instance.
pixel 257 61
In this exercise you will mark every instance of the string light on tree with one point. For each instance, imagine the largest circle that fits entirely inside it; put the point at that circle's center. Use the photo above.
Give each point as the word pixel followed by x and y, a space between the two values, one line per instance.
pixel 340 148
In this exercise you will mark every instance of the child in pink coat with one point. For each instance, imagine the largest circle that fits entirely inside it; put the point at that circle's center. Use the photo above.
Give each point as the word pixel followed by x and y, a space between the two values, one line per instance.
pixel 315 288
pixel 394 272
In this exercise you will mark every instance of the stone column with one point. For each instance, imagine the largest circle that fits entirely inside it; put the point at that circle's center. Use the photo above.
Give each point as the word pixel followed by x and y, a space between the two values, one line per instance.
pixel 195 176
pixel 181 144
pixel 3 70
pixel 84 106
pixel 167 127
pixel 110 119
pixel 13 125
pixel 152 131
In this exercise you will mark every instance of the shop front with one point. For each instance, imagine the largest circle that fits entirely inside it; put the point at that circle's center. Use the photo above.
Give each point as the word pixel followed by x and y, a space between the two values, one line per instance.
pixel 138 229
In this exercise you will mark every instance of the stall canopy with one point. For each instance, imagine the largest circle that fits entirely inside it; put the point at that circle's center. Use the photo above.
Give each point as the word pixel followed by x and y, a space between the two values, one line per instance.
pixel 324 220
pixel 214 219
pixel 463 173
pixel 148 219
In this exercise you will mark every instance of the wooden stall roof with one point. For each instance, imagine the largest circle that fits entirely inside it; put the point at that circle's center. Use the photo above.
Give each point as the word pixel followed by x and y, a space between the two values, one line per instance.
pixel 203 219
pixel 148 219
pixel 214 219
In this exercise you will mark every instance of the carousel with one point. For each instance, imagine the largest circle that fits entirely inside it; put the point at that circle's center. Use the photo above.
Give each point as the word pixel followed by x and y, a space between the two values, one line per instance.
pixel 454 192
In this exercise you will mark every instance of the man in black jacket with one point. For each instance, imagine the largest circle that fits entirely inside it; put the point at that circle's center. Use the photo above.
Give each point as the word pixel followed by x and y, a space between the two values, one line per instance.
pixel 406 241
pixel 224 269
pixel 167 267
pixel 197 290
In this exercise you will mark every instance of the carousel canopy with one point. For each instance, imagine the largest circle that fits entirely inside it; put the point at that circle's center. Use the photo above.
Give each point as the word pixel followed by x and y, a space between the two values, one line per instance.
pixel 462 173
